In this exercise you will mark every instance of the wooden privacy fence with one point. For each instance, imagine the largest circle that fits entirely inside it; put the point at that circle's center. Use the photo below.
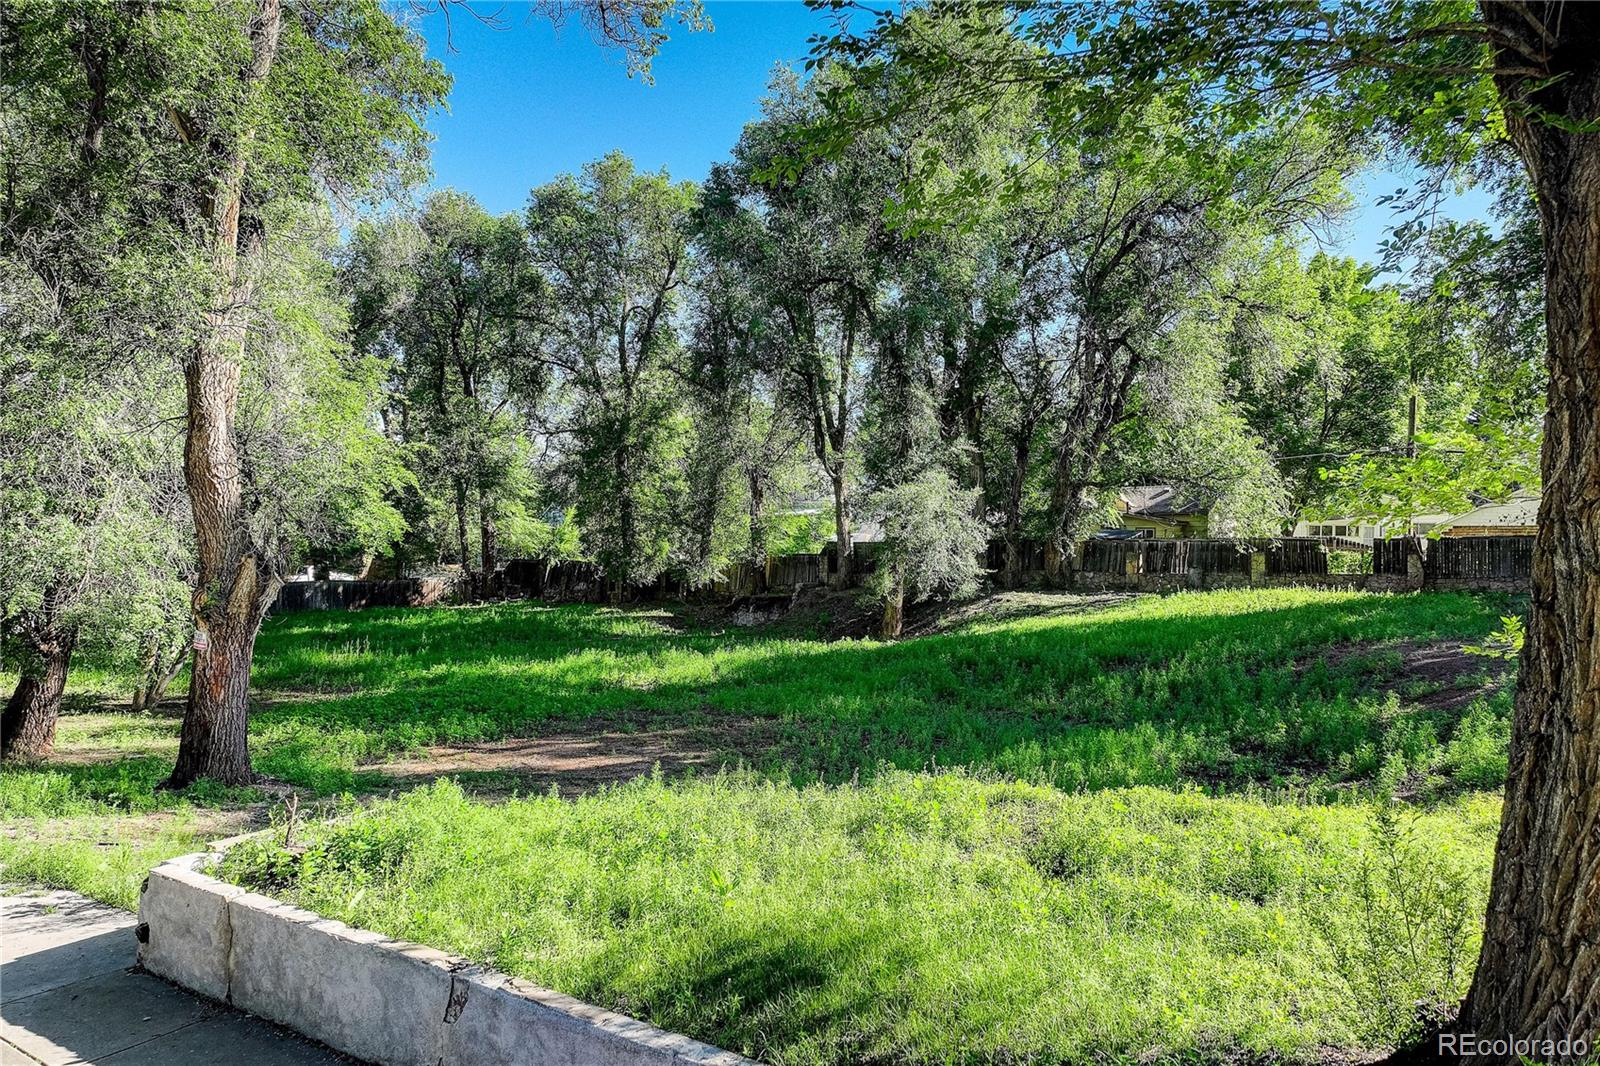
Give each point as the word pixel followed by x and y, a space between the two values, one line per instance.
pixel 1458 558
pixel 1462 559
pixel 781 572
pixel 1389 557
pixel 1479 558
pixel 536 577
pixel 1295 555
pixel 1165 556
pixel 353 595
pixel 1030 556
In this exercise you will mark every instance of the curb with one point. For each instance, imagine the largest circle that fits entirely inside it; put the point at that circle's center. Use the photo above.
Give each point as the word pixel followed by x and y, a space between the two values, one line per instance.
pixel 372 997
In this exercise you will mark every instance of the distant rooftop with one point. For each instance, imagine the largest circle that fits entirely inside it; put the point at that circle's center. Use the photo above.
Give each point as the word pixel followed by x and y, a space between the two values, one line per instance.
pixel 1161 501
pixel 1522 510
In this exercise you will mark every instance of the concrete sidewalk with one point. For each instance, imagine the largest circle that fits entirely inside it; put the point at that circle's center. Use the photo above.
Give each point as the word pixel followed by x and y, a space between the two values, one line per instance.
pixel 69 994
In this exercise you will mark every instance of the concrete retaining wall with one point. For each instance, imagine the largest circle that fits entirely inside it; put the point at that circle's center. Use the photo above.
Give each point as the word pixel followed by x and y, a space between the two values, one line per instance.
pixel 378 999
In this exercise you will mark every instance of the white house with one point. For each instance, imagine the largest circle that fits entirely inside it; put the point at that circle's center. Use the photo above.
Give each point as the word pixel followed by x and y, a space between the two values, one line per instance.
pixel 1368 529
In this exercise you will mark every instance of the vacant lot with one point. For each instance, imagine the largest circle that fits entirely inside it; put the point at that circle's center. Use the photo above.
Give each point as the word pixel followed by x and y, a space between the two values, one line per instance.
pixel 1166 828
pixel 932 917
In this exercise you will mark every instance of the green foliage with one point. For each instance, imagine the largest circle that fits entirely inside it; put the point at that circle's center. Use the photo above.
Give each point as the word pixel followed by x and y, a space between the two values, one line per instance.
pixel 613 245
pixel 1505 642
pixel 933 544
pixel 319 473
pixel 448 303
pixel 929 918
pixel 1452 472
pixel 99 857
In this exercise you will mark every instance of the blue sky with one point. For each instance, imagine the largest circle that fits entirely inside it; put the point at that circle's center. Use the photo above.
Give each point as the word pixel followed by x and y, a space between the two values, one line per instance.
pixel 531 101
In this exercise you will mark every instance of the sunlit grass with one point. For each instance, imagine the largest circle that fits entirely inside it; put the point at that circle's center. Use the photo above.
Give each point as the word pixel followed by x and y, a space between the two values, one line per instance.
pixel 1146 832
pixel 1224 686
pixel 931 918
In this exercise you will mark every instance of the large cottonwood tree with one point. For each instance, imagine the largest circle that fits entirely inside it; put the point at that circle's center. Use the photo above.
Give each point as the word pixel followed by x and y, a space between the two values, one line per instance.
pixel 452 301
pixel 613 246
pixel 233 107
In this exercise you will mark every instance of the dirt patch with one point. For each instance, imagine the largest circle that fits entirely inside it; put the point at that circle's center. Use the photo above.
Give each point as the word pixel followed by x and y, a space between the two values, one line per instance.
pixel 1440 676
pixel 579 760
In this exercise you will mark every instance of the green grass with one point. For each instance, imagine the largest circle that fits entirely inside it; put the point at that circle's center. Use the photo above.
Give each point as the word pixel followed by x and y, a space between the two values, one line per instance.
pixel 103 857
pixel 1225 687
pixel 925 918
pixel 1160 831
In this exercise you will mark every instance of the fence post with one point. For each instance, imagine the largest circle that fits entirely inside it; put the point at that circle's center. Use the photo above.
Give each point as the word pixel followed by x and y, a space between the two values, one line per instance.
pixel 1414 564
pixel 1258 567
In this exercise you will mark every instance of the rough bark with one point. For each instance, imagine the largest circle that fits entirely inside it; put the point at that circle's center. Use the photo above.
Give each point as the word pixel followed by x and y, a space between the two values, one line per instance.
pixel 489 543
pixel 1538 976
pixel 758 530
pixel 1021 456
pixel 1086 429
pixel 894 608
pixel 843 546
pixel 28 726
pixel 235 581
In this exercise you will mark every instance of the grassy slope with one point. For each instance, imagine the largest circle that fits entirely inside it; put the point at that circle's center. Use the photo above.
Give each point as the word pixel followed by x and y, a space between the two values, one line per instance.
pixel 1153 692
pixel 932 917
pixel 919 922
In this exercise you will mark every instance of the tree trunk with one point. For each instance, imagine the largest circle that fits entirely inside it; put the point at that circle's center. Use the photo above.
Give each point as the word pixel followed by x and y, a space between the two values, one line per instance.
pixel 894 608
pixel 28 727
pixel 149 657
pixel 157 683
pixel 157 671
pixel 625 523
pixel 1021 455
pixel 758 533
pixel 844 548
pixel 1538 976
pixel 489 544
pixel 235 581
pixel 463 553
pixel 215 738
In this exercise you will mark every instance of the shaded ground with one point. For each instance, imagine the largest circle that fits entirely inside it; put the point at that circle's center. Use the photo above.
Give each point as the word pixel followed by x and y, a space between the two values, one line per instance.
pixel 828 614
pixel 581 759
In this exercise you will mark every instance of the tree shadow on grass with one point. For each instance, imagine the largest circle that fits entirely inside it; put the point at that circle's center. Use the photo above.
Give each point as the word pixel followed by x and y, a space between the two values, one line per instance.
pixel 1155 693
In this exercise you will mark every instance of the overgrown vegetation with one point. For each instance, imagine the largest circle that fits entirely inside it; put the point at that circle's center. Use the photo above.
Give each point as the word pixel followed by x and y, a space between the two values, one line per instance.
pixel 942 849
pixel 1228 687
pixel 931 918
pixel 1239 689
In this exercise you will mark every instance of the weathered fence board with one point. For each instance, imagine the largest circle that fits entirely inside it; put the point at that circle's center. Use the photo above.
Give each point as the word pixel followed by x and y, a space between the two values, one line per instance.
pixel 795 571
pixel 1296 555
pixel 1389 557
pixel 1480 558
pixel 1459 558
pixel 1165 556
pixel 354 595
pixel 1462 559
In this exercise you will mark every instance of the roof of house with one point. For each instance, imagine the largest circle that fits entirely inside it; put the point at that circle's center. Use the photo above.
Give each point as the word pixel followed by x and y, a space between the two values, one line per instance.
pixel 1521 510
pixel 1161 501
